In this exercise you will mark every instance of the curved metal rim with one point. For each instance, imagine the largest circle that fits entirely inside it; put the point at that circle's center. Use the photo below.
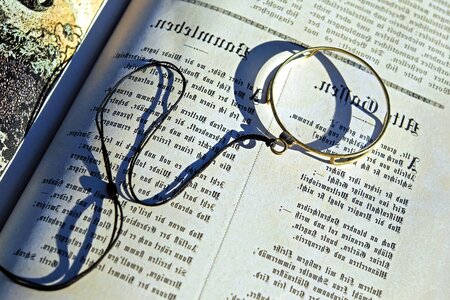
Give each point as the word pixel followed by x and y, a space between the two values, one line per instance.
pixel 335 159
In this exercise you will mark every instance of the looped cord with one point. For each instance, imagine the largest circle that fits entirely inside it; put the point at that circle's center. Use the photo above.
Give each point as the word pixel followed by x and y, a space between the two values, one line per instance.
pixel 111 187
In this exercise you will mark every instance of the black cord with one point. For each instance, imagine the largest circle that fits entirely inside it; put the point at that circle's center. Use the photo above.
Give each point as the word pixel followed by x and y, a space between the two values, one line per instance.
pixel 111 187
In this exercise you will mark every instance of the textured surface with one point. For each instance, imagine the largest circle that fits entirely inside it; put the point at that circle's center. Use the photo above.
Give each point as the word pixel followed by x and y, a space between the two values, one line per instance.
pixel 35 42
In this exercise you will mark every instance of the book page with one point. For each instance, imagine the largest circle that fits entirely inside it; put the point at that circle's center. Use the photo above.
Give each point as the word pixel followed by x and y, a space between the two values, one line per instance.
pixel 253 224
pixel 372 230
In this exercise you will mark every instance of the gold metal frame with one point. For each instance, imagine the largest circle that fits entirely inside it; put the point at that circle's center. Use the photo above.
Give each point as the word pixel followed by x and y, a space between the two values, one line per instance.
pixel 286 139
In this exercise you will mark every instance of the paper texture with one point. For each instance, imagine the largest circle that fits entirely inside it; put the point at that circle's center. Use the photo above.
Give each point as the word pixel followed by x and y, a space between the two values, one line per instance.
pixel 253 225
pixel 37 40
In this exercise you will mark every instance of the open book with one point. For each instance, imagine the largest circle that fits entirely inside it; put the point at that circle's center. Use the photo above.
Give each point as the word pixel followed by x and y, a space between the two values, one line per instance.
pixel 253 225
